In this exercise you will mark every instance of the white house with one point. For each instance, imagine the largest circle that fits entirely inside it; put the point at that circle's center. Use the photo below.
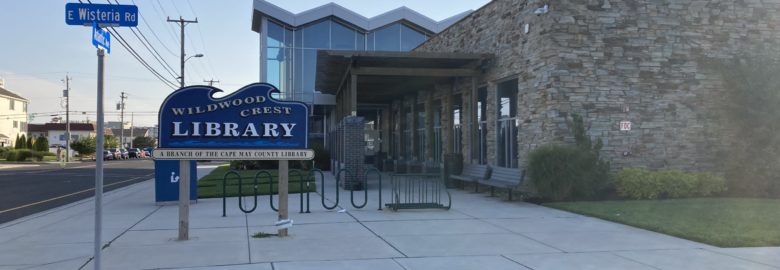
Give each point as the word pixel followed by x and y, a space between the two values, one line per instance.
pixel 13 116
pixel 55 132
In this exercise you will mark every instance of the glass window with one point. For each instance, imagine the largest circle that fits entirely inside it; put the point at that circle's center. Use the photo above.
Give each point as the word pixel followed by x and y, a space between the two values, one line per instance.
pixel 317 35
pixel 410 38
pixel 407 139
pixel 420 109
pixel 16 124
pixel 370 42
pixel 507 124
pixel 482 125
pixel 309 70
pixel 388 38
pixel 275 35
pixel 298 67
pixel 24 106
pixel 11 106
pixel 342 37
pixel 456 123
pixel 360 41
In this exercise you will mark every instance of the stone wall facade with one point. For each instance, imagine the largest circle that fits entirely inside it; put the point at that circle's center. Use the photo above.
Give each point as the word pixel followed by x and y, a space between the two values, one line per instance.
pixel 643 61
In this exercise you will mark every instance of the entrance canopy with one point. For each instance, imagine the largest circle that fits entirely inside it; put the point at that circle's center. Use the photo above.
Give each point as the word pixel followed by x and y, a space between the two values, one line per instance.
pixel 384 76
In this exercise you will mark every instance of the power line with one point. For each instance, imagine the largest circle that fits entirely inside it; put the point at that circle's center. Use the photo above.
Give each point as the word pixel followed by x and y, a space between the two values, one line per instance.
pixel 202 42
pixel 137 56
pixel 150 48
pixel 143 19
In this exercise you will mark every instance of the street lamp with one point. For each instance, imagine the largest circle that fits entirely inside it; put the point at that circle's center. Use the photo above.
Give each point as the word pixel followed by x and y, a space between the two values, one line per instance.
pixel 182 65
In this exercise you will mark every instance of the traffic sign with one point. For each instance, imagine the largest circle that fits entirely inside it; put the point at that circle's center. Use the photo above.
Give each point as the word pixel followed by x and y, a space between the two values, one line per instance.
pixel 103 14
pixel 101 38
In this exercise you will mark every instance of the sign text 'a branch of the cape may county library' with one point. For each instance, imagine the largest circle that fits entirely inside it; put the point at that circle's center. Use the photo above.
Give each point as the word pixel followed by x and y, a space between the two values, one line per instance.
pixel 246 125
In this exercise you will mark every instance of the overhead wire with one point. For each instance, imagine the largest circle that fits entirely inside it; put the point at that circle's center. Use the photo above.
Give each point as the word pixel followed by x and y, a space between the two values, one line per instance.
pixel 150 47
pixel 137 56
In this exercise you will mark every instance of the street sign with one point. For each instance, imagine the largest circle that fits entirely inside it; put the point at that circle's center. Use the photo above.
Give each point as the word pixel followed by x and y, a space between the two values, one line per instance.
pixel 101 38
pixel 103 14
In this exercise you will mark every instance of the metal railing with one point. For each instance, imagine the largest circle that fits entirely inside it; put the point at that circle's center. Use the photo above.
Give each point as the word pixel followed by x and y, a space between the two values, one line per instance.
pixel 418 191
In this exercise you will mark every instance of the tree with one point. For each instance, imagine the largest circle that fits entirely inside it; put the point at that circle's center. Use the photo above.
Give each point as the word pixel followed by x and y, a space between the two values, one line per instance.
pixel 22 143
pixel 85 146
pixel 17 143
pixel 110 141
pixel 41 144
pixel 29 143
pixel 143 142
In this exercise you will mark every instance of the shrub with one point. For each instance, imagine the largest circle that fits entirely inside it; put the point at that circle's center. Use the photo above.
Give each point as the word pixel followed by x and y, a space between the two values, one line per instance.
pixel 563 172
pixel 4 151
pixel 640 184
pixel 41 144
pixel 19 155
pixel 10 155
pixel 37 155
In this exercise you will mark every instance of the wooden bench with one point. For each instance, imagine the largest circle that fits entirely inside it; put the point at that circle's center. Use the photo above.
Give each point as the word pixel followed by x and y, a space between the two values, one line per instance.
pixel 509 178
pixel 473 173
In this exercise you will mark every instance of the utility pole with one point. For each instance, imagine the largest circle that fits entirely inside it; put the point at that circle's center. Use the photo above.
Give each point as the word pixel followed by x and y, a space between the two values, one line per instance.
pixel 66 95
pixel 182 23
pixel 121 107
pixel 211 82
pixel 184 165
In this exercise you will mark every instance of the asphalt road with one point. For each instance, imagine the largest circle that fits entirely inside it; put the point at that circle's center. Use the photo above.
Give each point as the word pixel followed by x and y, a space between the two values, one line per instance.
pixel 28 190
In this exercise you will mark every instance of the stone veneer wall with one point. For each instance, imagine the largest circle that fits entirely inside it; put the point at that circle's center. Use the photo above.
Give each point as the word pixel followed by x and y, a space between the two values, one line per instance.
pixel 645 61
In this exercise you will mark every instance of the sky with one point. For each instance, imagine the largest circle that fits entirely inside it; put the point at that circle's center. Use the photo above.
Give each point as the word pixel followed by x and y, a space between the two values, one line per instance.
pixel 38 50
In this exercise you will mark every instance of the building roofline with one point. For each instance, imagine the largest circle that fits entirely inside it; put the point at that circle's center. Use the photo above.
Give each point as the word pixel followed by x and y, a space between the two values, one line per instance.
pixel 11 94
pixel 262 7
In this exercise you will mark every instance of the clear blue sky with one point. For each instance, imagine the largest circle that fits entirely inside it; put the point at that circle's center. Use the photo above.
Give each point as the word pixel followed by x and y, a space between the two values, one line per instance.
pixel 38 49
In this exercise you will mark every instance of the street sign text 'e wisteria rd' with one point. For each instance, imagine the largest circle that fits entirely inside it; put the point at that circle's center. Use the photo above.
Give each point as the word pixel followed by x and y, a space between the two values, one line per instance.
pixel 102 14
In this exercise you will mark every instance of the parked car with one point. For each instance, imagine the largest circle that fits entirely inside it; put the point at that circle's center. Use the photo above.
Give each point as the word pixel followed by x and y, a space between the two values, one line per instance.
pixel 107 155
pixel 134 153
pixel 125 154
pixel 149 151
pixel 116 152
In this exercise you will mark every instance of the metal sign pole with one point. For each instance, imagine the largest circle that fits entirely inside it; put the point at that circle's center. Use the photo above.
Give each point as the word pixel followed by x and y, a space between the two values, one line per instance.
pixel 184 200
pixel 99 161
pixel 283 180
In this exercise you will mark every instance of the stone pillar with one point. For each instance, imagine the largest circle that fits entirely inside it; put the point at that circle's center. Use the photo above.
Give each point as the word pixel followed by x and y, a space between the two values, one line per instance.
pixel 353 147
pixel 469 127
pixel 446 119
pixel 490 112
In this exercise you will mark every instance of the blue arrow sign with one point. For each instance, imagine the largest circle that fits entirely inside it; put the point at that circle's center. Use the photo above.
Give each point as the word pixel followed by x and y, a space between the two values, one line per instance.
pixel 101 38
pixel 104 15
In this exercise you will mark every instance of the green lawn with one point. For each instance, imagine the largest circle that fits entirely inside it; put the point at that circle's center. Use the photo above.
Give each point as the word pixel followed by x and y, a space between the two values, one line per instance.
pixel 210 186
pixel 723 222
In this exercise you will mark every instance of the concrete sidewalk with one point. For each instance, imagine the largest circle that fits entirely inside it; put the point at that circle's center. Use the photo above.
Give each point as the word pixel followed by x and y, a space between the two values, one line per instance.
pixel 479 232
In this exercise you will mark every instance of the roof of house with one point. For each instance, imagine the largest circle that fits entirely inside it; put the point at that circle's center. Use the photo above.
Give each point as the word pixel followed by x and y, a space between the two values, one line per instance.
pixel 136 131
pixel 60 126
pixel 8 93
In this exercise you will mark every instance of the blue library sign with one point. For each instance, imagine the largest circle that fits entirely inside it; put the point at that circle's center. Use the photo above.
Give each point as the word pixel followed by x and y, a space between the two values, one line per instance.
pixel 247 124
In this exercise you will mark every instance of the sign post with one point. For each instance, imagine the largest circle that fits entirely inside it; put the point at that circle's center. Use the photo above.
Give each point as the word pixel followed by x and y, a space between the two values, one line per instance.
pixel 100 15
pixel 248 124
pixel 99 161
